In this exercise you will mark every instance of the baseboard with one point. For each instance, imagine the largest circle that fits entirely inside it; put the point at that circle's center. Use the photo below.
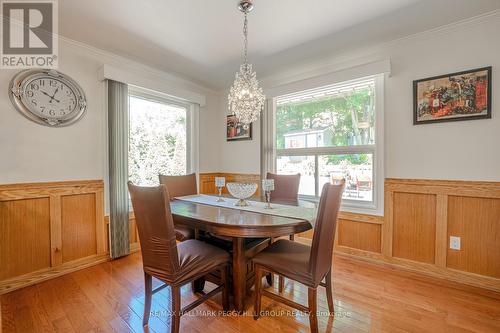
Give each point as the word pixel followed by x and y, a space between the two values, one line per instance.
pixel 46 274
pixel 422 269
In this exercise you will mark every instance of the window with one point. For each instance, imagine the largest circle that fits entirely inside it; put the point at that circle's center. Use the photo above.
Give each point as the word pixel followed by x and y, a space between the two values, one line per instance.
pixel 333 132
pixel 159 139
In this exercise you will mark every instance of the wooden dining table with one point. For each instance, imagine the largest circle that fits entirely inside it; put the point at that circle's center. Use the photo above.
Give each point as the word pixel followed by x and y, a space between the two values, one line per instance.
pixel 239 225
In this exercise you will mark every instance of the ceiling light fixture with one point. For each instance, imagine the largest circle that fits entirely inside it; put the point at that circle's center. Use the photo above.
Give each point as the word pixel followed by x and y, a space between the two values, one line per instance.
pixel 246 98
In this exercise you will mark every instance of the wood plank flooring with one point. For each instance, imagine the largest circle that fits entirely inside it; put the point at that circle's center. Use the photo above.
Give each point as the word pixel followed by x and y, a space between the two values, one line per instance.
pixel 368 298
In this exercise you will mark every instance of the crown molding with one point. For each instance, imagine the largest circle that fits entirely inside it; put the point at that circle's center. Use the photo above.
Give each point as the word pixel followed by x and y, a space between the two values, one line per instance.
pixel 364 55
pixel 299 71
pixel 449 28
pixel 120 61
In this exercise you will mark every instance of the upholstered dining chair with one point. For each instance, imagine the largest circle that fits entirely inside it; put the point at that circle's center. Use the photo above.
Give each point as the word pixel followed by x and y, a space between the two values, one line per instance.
pixel 308 265
pixel 179 186
pixel 286 191
pixel 286 188
pixel 172 263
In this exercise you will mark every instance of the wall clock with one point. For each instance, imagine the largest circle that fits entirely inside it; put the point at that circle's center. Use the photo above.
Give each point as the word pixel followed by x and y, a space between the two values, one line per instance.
pixel 47 97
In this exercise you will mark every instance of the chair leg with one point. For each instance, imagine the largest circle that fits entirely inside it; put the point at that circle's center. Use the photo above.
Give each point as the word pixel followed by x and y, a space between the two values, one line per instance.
pixel 175 309
pixel 270 279
pixel 148 294
pixel 270 276
pixel 281 284
pixel 224 272
pixel 313 308
pixel 198 285
pixel 258 286
pixel 329 291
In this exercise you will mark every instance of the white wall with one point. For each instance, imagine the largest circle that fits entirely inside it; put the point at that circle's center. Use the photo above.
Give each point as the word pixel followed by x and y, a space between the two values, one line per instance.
pixel 456 150
pixel 467 150
pixel 34 153
pixel 238 156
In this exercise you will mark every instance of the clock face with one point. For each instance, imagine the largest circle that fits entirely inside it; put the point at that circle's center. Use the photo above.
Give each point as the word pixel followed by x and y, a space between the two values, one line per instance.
pixel 50 98
pixel 47 97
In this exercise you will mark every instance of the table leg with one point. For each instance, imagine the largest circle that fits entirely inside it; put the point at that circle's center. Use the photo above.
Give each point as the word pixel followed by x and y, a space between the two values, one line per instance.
pixel 239 273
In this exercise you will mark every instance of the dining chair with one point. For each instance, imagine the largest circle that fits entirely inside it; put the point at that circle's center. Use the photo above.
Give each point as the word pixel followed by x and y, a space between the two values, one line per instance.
pixel 179 186
pixel 286 188
pixel 308 265
pixel 286 191
pixel 172 263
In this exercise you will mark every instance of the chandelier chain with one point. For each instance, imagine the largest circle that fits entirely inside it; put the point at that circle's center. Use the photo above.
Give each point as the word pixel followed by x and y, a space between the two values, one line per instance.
pixel 246 98
pixel 245 34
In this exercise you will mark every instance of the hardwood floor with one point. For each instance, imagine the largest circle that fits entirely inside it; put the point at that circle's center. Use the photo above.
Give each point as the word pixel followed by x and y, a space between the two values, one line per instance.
pixel 368 298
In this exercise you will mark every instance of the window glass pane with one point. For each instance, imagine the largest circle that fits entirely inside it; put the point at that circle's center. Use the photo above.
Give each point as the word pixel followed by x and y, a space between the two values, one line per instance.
pixel 338 115
pixel 357 169
pixel 157 140
pixel 288 165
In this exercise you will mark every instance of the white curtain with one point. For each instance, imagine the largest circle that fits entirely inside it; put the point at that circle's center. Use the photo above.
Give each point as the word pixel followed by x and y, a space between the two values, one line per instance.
pixel 118 120
pixel 268 138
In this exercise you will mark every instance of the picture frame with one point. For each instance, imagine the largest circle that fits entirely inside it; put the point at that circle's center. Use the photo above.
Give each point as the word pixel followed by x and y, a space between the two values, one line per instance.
pixel 236 131
pixel 464 95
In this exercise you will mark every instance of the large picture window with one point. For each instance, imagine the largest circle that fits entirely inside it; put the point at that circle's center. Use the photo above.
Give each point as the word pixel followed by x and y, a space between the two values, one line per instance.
pixel 330 133
pixel 158 138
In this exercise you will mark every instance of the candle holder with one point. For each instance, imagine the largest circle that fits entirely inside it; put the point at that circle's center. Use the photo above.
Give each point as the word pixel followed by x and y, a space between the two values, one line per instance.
pixel 267 187
pixel 220 182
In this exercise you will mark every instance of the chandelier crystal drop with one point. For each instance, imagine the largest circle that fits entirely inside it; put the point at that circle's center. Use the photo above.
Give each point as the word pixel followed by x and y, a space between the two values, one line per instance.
pixel 246 98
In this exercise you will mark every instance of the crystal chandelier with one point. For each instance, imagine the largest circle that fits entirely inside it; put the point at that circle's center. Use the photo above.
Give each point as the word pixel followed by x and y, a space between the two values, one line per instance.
pixel 246 98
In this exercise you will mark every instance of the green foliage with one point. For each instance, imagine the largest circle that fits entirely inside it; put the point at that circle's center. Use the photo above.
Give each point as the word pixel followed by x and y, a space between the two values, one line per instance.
pixel 356 159
pixel 157 141
pixel 340 114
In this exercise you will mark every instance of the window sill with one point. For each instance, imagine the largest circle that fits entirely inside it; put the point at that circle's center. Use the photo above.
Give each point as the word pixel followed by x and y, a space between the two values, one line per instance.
pixel 369 208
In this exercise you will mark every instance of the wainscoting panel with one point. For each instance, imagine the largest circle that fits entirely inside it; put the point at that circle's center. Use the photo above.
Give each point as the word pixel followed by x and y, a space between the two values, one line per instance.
pixel 207 181
pixel 420 215
pixel 24 236
pixel 78 226
pixel 49 229
pixel 359 235
pixel 414 226
pixel 477 222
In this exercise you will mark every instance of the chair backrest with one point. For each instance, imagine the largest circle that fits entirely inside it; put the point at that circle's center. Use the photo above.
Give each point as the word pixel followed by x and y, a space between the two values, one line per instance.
pixel 286 188
pixel 324 230
pixel 156 230
pixel 179 186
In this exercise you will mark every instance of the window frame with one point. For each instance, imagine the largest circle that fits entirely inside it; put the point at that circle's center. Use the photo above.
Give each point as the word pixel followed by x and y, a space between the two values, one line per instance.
pixel 374 207
pixel 192 117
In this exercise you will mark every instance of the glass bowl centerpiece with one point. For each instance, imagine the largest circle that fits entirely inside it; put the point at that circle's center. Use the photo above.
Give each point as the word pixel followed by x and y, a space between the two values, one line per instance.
pixel 241 191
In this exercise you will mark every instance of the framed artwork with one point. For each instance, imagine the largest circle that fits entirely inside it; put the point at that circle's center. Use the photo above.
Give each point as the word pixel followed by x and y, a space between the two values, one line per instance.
pixel 452 97
pixel 236 131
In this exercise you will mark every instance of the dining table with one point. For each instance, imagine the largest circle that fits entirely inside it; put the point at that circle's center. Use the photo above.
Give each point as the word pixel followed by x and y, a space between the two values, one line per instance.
pixel 206 213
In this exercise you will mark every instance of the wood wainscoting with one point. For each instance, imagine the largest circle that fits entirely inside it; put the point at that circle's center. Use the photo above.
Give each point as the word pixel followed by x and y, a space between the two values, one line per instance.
pixel 420 216
pixel 133 233
pixel 207 181
pixel 49 229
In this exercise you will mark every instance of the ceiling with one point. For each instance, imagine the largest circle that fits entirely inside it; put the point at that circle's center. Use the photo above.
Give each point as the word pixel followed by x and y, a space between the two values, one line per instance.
pixel 201 40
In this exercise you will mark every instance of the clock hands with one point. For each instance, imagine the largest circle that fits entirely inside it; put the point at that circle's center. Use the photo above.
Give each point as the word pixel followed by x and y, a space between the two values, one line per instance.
pixel 55 92
pixel 51 97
